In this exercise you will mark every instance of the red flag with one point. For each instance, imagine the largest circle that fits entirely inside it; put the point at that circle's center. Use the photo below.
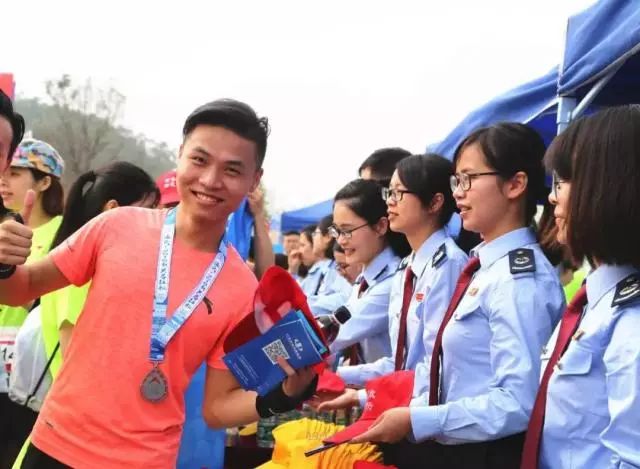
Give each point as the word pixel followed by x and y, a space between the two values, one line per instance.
pixel 7 84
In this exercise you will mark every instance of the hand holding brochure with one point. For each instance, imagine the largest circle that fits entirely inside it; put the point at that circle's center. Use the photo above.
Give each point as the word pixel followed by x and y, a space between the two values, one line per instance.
pixel 254 364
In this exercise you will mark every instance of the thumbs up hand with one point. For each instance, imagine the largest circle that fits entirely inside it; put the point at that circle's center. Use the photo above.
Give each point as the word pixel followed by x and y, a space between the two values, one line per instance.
pixel 15 235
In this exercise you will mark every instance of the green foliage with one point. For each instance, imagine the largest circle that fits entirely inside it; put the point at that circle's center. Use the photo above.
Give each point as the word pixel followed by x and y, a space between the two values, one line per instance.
pixel 80 121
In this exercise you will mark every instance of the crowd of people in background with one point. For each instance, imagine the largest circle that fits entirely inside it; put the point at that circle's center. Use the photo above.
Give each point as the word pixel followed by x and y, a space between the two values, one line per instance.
pixel 507 280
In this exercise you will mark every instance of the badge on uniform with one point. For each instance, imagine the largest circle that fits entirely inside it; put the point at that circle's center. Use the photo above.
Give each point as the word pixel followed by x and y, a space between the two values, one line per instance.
pixel 419 297
pixel 522 261
pixel 578 335
pixel 626 290
pixel 440 256
pixel 472 291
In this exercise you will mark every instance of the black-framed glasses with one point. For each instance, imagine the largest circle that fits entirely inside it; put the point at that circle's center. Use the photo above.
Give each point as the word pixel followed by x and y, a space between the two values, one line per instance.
pixel 394 195
pixel 463 180
pixel 556 182
pixel 335 232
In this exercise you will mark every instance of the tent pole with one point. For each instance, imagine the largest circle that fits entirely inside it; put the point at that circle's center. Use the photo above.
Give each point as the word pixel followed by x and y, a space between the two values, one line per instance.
pixel 566 105
pixel 592 94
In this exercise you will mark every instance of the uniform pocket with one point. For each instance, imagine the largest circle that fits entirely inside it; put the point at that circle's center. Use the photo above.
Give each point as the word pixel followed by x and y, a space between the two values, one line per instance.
pixel 576 361
pixel 466 308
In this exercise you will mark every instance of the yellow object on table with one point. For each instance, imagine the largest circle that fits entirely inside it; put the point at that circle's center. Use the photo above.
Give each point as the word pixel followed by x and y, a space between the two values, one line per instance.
pixel 293 439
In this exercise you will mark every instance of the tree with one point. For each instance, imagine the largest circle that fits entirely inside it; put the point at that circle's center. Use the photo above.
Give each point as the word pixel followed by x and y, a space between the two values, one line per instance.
pixel 81 123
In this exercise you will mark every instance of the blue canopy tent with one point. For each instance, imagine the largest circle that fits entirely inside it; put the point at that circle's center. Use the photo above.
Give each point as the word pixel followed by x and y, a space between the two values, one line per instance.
pixel 298 219
pixel 601 65
pixel 534 103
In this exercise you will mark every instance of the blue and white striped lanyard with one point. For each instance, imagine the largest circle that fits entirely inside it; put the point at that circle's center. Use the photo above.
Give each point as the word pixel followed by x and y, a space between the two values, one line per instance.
pixel 163 330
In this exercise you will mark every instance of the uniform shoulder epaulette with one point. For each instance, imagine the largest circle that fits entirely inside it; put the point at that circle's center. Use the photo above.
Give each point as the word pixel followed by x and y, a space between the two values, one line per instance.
pixel 627 290
pixel 404 263
pixel 522 261
pixel 440 256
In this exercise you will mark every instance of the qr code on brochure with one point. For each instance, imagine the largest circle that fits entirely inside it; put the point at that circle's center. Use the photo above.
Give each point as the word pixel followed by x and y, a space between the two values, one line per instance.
pixel 274 350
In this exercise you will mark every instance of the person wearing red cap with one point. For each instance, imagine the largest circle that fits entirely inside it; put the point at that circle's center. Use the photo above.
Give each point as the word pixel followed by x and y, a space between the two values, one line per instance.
pixel 168 189
pixel 166 289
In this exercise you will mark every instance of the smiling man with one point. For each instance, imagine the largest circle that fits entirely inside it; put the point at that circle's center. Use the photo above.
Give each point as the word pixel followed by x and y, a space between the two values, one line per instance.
pixel 166 290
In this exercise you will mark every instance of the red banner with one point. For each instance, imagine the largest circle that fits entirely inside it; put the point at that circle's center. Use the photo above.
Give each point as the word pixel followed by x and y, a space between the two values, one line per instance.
pixel 7 84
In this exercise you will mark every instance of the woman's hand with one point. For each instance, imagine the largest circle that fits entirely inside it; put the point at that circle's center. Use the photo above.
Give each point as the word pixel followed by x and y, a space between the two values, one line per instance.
pixel 392 426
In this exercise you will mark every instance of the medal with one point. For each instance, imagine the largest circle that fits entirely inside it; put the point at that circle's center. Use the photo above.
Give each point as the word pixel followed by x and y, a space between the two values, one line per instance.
pixel 154 387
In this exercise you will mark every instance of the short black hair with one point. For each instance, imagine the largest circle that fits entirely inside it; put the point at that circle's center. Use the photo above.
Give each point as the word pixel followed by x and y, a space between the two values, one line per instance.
pixel 508 148
pixel 15 120
pixel 600 156
pixel 426 176
pixel 382 163
pixel 235 116
pixel 291 233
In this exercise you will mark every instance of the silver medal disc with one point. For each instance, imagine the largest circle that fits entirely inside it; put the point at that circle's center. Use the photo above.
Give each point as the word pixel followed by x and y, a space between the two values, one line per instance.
pixel 154 387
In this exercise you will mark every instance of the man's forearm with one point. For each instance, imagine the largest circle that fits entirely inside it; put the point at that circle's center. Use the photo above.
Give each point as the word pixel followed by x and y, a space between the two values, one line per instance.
pixel 31 281
pixel 238 408
pixel 14 291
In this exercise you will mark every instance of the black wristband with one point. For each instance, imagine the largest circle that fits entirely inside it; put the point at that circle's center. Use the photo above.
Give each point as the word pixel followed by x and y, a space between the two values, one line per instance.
pixel 277 402
pixel 6 271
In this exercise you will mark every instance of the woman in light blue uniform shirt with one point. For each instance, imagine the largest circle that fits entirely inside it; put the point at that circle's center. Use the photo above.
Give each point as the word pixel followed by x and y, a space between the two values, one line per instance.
pixel 486 371
pixel 332 289
pixel 590 414
pixel 419 205
pixel 361 227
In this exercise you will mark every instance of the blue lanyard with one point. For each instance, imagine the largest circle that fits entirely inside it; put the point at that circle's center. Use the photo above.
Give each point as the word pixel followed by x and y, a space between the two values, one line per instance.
pixel 163 330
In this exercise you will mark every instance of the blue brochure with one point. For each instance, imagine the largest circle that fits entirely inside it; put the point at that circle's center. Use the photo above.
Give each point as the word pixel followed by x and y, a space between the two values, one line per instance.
pixel 254 364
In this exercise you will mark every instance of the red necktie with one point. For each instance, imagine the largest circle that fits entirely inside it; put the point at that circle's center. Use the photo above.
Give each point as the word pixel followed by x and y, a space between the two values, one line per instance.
pixel 402 330
pixel 570 320
pixel 461 287
pixel 363 287
pixel 354 352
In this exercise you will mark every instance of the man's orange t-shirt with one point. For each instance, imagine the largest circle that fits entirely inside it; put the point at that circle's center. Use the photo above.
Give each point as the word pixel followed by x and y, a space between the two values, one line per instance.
pixel 94 415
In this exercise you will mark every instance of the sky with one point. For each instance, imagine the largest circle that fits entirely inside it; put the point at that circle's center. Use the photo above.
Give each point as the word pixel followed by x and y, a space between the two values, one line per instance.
pixel 337 79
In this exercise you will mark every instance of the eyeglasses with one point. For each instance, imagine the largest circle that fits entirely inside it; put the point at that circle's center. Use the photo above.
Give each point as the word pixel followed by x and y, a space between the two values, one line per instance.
pixel 556 181
pixel 335 232
pixel 463 180
pixel 394 195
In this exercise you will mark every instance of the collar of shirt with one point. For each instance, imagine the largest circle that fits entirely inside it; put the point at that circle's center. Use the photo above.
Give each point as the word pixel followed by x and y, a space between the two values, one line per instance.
pixel 382 260
pixel 319 266
pixel 499 247
pixel 603 279
pixel 426 252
